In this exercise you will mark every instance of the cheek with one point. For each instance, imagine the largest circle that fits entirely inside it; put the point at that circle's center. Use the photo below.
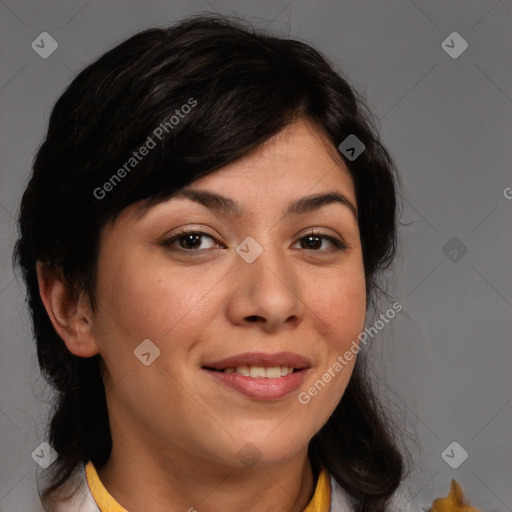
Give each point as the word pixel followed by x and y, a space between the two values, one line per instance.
pixel 153 301
pixel 338 311
pixel 338 304
pixel 143 301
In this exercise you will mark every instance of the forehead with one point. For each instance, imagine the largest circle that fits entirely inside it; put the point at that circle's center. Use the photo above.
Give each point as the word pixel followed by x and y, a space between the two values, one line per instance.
pixel 300 152
pixel 298 161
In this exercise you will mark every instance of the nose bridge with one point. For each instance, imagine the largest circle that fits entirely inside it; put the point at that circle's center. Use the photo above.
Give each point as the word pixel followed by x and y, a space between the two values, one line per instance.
pixel 267 260
pixel 266 280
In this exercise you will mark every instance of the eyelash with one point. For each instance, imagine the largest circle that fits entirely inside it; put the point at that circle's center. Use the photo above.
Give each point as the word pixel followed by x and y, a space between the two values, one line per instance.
pixel 338 245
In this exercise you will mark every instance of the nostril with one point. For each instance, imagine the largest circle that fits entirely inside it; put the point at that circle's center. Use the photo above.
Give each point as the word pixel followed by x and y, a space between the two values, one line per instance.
pixel 253 318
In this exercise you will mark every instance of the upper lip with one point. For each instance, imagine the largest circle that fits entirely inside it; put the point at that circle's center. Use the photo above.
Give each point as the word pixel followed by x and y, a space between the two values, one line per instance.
pixel 261 359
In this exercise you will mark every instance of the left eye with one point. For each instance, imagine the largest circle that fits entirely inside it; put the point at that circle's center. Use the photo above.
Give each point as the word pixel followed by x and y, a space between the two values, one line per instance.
pixel 314 241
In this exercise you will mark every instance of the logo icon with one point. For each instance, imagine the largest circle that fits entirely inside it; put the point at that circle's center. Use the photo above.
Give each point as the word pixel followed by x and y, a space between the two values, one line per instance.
pixel 351 147
pixel 454 250
pixel 44 45
pixel 146 352
pixel 249 249
pixel 454 45
pixel 249 455
pixel 454 455
pixel 44 455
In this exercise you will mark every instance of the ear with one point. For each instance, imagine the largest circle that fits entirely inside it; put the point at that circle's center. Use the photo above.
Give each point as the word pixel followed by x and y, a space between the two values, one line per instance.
pixel 71 317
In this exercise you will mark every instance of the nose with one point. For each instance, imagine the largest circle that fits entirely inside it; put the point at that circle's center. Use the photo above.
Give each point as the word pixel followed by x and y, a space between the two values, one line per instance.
pixel 266 291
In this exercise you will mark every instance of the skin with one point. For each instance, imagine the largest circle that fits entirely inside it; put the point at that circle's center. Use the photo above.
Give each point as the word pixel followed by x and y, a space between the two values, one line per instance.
pixel 177 431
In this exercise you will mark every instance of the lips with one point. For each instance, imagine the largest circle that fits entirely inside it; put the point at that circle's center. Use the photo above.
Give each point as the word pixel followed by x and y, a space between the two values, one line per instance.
pixel 261 376
pixel 261 359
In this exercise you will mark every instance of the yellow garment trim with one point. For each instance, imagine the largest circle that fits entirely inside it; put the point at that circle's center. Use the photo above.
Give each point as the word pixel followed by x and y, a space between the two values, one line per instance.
pixel 101 496
pixel 320 502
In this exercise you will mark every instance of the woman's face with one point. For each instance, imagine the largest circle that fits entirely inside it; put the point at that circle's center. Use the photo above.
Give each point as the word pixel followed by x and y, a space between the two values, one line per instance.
pixel 203 298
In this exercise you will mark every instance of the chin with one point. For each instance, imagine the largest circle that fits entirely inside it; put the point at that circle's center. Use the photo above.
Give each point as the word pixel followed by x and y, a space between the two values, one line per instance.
pixel 263 450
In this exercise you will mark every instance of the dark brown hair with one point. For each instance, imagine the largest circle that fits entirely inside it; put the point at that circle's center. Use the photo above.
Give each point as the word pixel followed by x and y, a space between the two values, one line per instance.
pixel 247 86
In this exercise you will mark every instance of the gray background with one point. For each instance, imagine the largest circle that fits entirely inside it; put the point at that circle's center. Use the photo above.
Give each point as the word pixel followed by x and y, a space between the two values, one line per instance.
pixel 445 359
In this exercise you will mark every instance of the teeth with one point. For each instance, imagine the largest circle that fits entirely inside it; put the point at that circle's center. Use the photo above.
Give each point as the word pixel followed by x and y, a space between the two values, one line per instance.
pixel 243 370
pixel 257 372
pixel 260 372
pixel 272 373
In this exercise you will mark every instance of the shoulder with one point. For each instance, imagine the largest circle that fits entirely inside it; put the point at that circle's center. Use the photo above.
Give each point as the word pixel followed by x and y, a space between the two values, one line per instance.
pixel 76 497
pixel 341 502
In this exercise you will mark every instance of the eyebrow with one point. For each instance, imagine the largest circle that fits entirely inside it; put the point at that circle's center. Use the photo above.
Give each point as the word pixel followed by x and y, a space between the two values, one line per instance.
pixel 302 205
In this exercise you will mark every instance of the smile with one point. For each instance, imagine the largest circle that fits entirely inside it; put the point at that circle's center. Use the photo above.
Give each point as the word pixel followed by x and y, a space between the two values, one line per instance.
pixel 259 372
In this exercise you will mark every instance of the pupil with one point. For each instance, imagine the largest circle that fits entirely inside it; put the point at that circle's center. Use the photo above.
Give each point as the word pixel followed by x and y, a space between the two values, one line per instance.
pixel 312 242
pixel 190 240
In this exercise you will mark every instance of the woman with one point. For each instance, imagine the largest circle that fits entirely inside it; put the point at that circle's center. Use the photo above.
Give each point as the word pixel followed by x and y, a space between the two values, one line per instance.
pixel 201 239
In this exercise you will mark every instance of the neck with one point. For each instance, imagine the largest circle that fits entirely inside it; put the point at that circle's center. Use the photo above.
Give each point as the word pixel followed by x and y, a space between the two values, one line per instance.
pixel 139 482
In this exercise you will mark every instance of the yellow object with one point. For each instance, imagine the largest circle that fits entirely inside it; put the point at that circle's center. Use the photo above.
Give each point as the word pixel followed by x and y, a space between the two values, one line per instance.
pixel 321 500
pixel 454 502
pixel 101 496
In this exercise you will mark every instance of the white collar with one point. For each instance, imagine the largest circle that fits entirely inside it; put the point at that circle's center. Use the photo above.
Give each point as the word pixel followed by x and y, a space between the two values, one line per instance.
pixel 400 502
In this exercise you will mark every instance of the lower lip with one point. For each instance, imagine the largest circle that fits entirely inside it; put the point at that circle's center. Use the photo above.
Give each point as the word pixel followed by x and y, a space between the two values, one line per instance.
pixel 263 388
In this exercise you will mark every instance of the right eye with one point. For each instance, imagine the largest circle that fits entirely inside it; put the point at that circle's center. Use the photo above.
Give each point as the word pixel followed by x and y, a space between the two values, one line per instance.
pixel 188 241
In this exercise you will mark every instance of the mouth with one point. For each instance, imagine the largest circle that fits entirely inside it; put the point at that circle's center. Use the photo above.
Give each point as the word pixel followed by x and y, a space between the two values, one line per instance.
pixel 261 376
pixel 258 372
pixel 259 365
